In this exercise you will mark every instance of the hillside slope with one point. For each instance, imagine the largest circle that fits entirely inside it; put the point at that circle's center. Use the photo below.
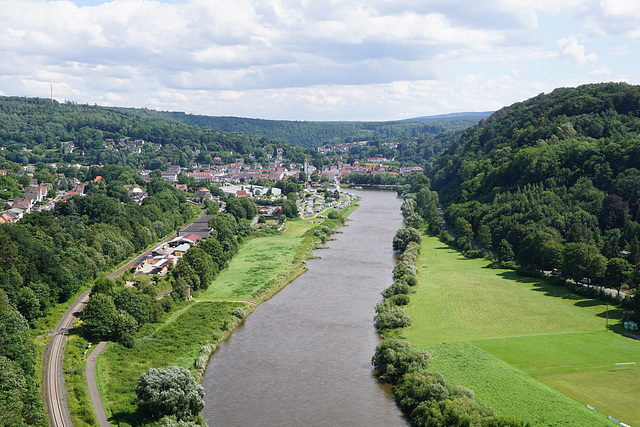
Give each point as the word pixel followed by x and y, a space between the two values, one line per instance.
pixel 557 169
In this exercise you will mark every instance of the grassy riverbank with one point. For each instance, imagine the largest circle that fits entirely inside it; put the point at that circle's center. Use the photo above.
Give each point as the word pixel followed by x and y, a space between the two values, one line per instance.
pixel 188 335
pixel 518 342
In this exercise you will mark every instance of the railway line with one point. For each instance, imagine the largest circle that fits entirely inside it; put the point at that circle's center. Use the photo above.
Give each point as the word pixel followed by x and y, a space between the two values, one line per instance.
pixel 54 389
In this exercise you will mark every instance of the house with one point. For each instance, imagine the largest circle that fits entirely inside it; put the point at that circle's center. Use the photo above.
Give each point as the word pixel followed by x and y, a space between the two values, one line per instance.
pixel 22 203
pixel 181 249
pixel 203 194
pixel 407 170
pixel 5 218
pixel 199 227
pixel 138 194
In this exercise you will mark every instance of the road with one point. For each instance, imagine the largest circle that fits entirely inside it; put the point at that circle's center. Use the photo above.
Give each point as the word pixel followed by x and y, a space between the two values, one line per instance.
pixel 94 393
pixel 54 389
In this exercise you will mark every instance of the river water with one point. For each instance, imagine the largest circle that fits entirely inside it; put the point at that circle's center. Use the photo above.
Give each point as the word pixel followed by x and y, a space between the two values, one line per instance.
pixel 303 358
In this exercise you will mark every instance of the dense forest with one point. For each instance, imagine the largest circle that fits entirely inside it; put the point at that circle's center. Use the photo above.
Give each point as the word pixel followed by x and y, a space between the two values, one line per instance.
pixel 34 130
pixel 314 134
pixel 557 178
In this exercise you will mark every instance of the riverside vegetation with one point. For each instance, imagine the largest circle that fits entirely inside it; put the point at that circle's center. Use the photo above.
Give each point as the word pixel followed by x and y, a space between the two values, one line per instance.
pixel 189 332
pixel 507 336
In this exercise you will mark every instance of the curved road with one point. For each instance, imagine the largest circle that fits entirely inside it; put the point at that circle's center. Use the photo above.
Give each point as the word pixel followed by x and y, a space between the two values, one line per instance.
pixel 94 393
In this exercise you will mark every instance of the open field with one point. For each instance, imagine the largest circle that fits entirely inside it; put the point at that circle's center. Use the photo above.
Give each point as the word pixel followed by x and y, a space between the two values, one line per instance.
pixel 174 341
pixel 266 264
pixel 508 337
pixel 258 262
pixel 507 389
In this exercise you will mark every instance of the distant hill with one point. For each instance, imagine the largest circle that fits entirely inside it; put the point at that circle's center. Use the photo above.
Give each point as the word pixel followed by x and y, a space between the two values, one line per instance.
pixel 475 117
pixel 315 134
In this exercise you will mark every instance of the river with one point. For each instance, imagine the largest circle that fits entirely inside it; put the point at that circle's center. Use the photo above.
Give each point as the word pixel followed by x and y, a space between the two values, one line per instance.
pixel 303 358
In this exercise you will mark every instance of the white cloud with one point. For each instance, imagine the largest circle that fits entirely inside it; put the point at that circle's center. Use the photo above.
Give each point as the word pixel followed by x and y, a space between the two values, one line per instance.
pixel 570 48
pixel 336 59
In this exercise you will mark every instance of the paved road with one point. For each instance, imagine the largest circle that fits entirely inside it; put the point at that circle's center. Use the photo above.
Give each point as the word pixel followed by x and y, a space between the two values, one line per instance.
pixel 94 393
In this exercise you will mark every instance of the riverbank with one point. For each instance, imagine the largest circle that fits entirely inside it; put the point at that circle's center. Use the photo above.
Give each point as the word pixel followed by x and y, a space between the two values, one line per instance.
pixel 187 336
pixel 520 343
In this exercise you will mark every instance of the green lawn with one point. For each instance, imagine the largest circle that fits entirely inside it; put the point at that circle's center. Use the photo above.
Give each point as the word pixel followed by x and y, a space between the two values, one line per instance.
pixel 508 337
pixel 265 263
pixel 258 262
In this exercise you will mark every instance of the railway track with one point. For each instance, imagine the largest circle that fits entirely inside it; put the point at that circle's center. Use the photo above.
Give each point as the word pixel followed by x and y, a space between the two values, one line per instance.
pixel 54 389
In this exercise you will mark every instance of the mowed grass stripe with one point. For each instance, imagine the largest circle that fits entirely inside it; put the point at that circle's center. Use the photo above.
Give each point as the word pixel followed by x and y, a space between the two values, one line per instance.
pixel 495 333
pixel 258 262
pixel 507 389
pixel 460 299
pixel 556 354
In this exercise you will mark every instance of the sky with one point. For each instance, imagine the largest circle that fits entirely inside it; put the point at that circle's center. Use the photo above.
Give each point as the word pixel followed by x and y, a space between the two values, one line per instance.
pixel 314 59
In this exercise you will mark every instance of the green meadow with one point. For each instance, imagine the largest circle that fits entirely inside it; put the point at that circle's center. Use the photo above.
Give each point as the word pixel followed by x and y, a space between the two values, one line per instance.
pixel 526 348
pixel 263 265
pixel 258 262
pixel 176 340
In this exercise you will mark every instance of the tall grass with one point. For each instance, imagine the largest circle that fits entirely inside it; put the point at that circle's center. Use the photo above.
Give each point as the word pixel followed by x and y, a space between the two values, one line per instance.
pixel 178 342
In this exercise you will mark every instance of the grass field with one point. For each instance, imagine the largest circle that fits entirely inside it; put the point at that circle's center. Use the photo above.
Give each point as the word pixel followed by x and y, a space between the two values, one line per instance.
pixel 518 342
pixel 258 262
pixel 176 340
pixel 266 263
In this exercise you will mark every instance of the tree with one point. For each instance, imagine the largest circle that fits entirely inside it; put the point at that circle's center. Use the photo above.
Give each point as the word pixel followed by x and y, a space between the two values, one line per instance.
pixel 28 305
pixel 505 251
pixel 581 260
pixel 290 209
pixel 202 265
pixel 133 305
pixel 104 286
pixel 617 273
pixel 404 236
pixel 169 391
pixel 12 386
pixel 98 316
pixel 393 358
pixel 124 328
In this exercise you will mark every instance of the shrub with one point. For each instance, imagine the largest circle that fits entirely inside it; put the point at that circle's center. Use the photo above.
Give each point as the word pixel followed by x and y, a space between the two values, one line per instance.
pixel 474 253
pixel 420 386
pixel 393 358
pixel 398 287
pixel 239 313
pixel 392 318
pixel 457 411
pixel 169 391
pixel 399 299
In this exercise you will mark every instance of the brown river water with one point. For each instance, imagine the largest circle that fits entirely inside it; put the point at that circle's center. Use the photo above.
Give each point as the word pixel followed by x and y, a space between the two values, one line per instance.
pixel 303 358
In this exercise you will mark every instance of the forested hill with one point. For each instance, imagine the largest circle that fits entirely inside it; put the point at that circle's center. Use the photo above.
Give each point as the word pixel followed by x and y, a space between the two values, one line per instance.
pixel 36 130
pixel 550 175
pixel 314 134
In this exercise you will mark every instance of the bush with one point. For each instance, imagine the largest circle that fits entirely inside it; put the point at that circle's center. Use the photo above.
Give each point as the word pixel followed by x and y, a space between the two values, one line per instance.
pixel 404 236
pixel 399 299
pixel 457 411
pixel 239 313
pixel 392 318
pixel 420 386
pixel 474 253
pixel 393 358
pixel 398 287
pixel 169 391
